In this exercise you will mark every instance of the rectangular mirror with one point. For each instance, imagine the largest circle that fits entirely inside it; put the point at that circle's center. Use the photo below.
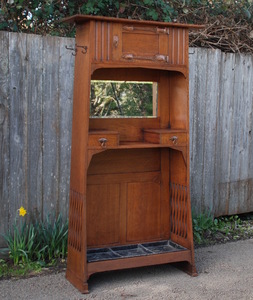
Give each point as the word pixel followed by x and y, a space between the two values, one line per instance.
pixel 119 99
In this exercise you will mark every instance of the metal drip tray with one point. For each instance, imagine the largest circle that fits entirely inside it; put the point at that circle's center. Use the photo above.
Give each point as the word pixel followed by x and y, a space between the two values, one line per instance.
pixel 163 247
pixel 128 251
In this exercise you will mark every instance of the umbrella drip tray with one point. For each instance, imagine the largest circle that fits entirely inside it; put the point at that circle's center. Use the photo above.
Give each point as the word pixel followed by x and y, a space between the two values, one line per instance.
pixel 128 251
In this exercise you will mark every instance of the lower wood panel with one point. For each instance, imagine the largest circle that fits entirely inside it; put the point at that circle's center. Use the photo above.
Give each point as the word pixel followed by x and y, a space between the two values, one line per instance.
pixel 103 214
pixel 123 208
pixel 143 211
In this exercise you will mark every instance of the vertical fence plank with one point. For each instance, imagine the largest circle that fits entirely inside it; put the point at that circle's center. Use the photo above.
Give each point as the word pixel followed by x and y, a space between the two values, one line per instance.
pixel 245 129
pixel 197 110
pixel 18 123
pixel 34 68
pixel 225 134
pixel 211 100
pixel 51 130
pixel 248 94
pixel 66 80
pixel 4 133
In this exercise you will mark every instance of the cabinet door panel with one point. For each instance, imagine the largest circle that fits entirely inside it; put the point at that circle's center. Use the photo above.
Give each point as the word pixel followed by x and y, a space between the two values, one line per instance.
pixel 140 44
pixel 103 205
pixel 143 211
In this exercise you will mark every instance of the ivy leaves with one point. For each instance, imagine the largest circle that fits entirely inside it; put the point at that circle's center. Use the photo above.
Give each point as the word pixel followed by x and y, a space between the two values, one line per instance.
pixel 43 16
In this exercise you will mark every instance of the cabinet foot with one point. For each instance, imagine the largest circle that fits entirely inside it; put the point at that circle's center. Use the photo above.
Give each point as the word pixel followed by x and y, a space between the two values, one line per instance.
pixel 81 285
pixel 186 267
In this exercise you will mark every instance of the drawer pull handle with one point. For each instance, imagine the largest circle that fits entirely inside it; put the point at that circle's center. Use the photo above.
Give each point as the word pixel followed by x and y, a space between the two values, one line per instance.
pixel 128 56
pixel 174 139
pixel 161 57
pixel 158 57
pixel 147 29
pixel 103 142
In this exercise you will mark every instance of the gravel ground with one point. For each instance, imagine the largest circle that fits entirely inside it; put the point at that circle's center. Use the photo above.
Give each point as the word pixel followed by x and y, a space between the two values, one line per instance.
pixel 225 272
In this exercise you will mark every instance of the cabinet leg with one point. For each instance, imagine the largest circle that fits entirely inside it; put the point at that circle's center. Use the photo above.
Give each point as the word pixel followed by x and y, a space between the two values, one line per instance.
pixel 81 285
pixel 187 267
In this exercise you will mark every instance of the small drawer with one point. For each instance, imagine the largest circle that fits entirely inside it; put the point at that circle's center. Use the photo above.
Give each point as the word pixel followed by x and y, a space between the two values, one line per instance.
pixel 172 138
pixel 103 139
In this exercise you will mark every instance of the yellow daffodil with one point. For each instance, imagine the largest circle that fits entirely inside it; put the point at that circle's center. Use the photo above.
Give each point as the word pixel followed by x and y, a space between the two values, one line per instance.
pixel 22 211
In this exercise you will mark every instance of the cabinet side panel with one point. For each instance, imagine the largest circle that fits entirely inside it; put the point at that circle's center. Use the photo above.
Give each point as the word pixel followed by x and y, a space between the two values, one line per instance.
pixel 178 101
pixel 77 265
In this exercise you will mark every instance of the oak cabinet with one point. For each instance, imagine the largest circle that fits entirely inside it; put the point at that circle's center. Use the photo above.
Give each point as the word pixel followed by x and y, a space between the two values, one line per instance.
pixel 129 184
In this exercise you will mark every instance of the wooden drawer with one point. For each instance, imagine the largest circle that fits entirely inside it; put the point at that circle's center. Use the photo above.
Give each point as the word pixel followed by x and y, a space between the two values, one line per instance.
pixel 172 138
pixel 103 139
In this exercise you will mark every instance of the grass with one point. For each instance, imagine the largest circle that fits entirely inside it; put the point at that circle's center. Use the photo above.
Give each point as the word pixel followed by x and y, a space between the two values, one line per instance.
pixel 7 269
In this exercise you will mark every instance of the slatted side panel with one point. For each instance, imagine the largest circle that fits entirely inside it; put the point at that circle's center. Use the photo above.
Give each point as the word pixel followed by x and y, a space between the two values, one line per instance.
pixel 178 202
pixel 75 221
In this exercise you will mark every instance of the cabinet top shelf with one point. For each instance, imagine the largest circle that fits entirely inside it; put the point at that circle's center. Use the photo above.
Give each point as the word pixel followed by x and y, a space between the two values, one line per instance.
pixel 84 18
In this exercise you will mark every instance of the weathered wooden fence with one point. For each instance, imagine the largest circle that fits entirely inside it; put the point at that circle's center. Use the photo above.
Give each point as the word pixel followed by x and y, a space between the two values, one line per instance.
pixel 36 83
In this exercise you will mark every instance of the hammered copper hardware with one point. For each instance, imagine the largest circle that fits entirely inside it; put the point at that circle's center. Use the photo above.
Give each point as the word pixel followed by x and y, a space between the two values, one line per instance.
pixel 174 139
pixel 158 57
pixel 84 49
pixel 147 29
pixel 103 142
pixel 115 41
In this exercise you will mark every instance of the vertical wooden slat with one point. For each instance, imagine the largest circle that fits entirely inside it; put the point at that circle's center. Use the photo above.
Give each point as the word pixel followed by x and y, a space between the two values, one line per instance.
pixel 225 123
pixel 203 115
pixel 18 194
pixel 66 70
pixel 210 134
pixel 4 134
pixel 98 41
pixel 34 68
pixel 178 202
pixel 51 130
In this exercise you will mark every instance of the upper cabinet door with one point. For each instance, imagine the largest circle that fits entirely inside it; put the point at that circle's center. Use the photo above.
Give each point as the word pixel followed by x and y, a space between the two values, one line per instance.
pixel 140 44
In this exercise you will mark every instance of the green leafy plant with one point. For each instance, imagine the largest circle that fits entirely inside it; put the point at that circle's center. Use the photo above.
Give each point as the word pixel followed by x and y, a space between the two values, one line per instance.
pixel 3 267
pixel 201 223
pixel 52 236
pixel 209 230
pixel 9 270
pixel 43 16
pixel 21 239
pixel 43 242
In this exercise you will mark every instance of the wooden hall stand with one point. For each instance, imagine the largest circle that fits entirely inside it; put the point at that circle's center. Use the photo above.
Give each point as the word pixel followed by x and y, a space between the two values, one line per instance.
pixel 129 186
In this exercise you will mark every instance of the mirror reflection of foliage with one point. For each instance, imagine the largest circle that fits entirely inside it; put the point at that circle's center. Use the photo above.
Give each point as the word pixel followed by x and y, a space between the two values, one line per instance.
pixel 121 99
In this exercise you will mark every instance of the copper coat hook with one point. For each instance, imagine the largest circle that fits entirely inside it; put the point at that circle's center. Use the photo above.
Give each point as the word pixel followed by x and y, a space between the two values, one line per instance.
pixel 84 49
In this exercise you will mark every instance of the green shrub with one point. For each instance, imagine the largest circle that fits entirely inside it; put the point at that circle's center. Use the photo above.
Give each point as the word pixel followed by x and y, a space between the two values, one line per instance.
pixel 43 242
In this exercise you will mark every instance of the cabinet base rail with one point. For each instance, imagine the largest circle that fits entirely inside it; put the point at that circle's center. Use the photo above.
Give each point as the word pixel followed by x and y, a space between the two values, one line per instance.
pixel 133 256
pixel 127 251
